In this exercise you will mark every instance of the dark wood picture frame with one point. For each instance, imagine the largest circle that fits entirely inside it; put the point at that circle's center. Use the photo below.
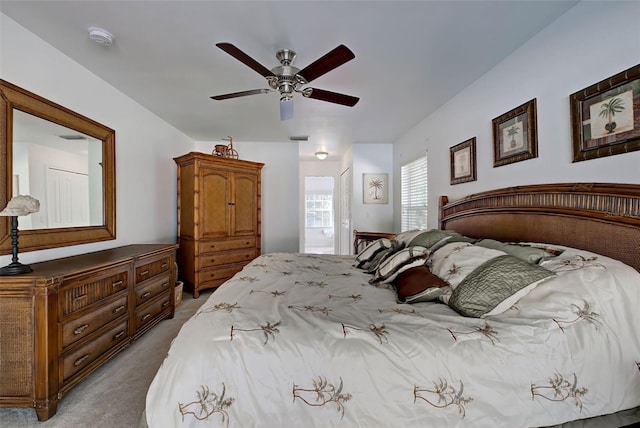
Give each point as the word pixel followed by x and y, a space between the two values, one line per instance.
pixel 463 161
pixel 515 136
pixel 605 117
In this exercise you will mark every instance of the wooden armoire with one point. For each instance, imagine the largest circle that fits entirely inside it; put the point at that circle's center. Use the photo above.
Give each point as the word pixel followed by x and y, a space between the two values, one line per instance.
pixel 219 218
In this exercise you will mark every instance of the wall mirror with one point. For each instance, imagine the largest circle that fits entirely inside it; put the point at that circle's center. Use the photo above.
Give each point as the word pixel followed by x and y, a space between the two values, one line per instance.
pixel 61 158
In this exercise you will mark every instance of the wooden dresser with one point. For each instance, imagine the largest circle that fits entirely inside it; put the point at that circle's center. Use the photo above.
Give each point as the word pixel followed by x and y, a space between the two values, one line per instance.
pixel 219 218
pixel 69 316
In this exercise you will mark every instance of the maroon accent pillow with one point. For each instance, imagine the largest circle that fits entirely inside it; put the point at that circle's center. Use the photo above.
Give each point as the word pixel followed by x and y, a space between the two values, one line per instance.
pixel 415 280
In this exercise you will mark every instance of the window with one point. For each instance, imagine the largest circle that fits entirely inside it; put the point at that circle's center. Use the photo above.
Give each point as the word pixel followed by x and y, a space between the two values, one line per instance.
pixel 319 210
pixel 414 195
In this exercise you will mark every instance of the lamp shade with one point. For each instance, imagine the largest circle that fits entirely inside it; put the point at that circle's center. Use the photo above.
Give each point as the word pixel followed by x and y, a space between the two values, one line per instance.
pixel 21 205
pixel 322 155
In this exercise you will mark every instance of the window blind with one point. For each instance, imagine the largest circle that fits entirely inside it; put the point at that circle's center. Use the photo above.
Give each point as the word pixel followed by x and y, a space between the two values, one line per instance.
pixel 414 195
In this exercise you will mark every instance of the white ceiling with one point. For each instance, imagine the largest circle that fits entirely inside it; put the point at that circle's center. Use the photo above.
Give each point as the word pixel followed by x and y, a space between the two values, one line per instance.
pixel 411 57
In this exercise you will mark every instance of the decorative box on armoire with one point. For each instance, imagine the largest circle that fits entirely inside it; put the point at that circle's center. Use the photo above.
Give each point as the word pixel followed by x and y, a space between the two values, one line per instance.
pixel 219 216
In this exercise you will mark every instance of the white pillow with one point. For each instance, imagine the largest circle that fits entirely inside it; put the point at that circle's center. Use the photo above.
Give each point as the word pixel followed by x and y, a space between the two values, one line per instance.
pixel 454 261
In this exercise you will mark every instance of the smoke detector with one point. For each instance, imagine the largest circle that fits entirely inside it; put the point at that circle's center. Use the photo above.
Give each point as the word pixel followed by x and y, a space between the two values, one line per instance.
pixel 100 36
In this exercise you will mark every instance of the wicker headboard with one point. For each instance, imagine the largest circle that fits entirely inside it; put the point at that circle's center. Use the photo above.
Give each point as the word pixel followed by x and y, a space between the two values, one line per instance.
pixel 600 217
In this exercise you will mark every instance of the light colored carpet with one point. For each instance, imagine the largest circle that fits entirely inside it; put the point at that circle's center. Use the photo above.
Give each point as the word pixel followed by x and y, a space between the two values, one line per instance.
pixel 114 395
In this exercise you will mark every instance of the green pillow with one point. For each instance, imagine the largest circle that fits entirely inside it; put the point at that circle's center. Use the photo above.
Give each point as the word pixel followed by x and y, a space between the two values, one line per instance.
pixel 428 238
pixel 496 285
pixel 524 252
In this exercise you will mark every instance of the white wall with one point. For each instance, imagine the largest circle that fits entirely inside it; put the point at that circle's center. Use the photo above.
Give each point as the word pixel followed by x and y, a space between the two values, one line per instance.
pixel 592 41
pixel 145 144
pixel 279 190
pixel 372 158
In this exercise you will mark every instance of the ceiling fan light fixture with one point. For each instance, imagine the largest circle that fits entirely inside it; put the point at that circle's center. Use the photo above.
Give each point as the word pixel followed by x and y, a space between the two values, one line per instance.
pixel 322 155
pixel 286 108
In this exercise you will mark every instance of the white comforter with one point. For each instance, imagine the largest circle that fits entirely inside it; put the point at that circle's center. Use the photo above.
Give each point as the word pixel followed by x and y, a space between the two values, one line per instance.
pixel 297 340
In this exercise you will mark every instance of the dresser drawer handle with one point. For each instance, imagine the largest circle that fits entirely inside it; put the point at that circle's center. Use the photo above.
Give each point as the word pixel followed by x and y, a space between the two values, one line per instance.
pixel 82 296
pixel 118 309
pixel 165 284
pixel 213 260
pixel 144 273
pixel 165 304
pixel 118 335
pixel 146 317
pixel 145 294
pixel 80 329
pixel 212 246
pixel 117 283
pixel 80 360
pixel 164 266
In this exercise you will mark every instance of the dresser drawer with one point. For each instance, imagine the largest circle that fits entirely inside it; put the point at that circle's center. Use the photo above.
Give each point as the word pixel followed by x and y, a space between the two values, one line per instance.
pixel 231 244
pixel 150 289
pixel 78 360
pixel 148 312
pixel 82 291
pixel 228 257
pixel 75 330
pixel 153 268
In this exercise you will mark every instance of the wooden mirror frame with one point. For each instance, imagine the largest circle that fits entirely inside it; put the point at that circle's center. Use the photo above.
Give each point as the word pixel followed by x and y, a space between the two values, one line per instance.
pixel 14 97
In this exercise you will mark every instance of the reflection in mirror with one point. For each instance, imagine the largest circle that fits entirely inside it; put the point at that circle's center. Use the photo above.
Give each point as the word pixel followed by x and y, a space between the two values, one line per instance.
pixel 61 168
pixel 76 187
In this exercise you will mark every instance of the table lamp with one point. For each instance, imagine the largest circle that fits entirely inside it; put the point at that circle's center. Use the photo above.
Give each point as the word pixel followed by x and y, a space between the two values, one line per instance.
pixel 17 206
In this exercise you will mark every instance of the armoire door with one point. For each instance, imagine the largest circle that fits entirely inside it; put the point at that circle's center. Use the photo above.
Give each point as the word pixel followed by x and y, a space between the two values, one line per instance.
pixel 215 203
pixel 244 204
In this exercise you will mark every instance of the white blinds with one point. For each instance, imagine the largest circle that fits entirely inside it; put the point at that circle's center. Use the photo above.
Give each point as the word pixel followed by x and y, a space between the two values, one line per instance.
pixel 414 195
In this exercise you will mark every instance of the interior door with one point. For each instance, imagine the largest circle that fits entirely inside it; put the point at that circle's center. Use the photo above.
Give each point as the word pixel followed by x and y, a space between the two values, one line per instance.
pixel 67 198
pixel 345 211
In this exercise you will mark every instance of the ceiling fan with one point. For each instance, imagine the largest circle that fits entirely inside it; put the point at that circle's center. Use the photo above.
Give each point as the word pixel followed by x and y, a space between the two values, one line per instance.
pixel 287 79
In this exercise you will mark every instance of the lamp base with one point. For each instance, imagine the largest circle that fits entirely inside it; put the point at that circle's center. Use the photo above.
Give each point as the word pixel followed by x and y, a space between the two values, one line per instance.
pixel 15 268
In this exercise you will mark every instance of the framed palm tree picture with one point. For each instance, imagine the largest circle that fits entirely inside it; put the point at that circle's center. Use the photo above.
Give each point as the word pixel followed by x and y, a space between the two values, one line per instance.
pixel 463 161
pixel 605 117
pixel 375 188
pixel 515 135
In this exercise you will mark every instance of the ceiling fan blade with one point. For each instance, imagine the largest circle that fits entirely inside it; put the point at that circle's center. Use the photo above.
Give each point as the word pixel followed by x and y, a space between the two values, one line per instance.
pixel 245 59
pixel 240 94
pixel 328 62
pixel 332 97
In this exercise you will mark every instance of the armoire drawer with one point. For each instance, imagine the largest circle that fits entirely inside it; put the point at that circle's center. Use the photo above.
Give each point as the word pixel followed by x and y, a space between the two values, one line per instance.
pixel 227 258
pixel 148 312
pixel 147 291
pixel 81 358
pixel 151 269
pixel 82 291
pixel 231 244
pixel 219 275
pixel 74 330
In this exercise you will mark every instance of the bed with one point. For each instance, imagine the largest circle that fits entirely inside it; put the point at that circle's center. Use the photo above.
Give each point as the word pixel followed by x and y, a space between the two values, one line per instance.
pixel 530 318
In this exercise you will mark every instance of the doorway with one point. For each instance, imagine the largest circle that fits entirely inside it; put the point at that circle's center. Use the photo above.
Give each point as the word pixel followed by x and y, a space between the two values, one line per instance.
pixel 319 215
